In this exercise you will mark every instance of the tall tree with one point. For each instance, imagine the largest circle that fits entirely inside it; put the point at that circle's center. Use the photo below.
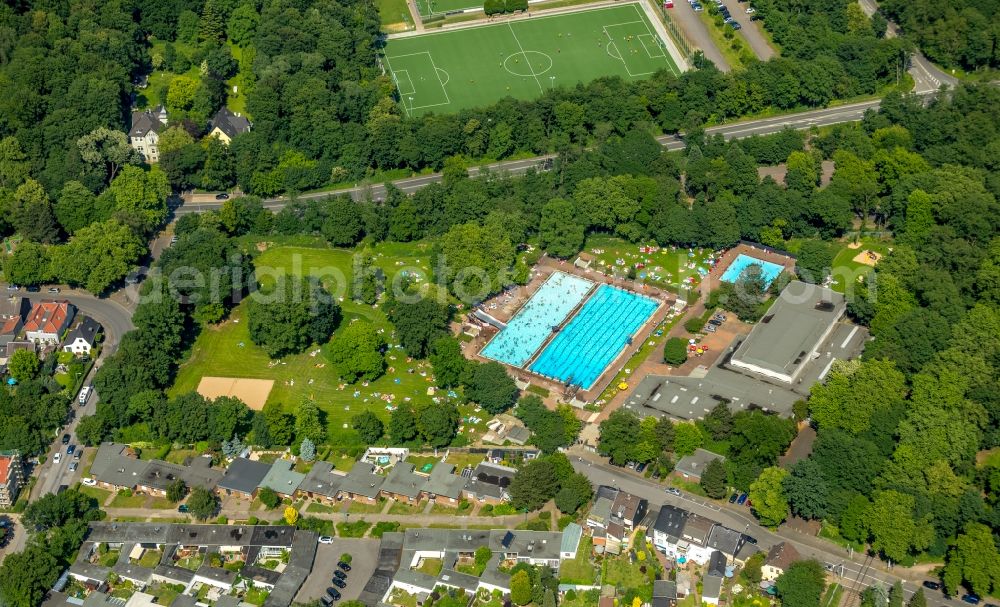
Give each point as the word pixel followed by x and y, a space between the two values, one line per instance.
pixel 768 496
pixel 31 213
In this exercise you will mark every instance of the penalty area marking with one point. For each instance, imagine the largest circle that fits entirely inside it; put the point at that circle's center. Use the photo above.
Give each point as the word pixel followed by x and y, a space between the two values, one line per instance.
pixel 409 108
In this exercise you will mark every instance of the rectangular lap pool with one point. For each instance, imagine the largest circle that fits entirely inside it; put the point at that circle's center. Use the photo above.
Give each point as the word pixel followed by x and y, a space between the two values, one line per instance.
pixel 589 342
pixel 533 323
pixel 768 270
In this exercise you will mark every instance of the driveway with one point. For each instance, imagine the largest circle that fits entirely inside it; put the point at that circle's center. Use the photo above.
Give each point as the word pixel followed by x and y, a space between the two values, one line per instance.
pixel 751 30
pixel 364 553
pixel 696 32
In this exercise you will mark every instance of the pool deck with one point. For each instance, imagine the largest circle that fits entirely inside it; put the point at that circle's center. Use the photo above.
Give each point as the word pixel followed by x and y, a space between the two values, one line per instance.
pixel 506 306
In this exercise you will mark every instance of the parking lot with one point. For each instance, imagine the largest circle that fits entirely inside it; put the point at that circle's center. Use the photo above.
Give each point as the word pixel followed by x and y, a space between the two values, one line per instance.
pixel 364 555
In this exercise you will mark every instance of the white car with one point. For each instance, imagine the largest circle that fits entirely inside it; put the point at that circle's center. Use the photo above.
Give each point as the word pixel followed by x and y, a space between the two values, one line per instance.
pixel 325 539
pixel 57 458
pixel 750 11
pixel 89 482
pixel 673 491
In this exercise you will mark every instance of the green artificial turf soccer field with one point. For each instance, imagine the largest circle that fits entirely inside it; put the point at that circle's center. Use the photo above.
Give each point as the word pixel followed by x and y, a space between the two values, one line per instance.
pixel 447 71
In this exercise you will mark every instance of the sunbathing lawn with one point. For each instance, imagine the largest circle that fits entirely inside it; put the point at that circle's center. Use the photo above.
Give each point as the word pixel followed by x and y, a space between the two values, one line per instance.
pixel 845 269
pixel 150 559
pixel 226 350
pixel 665 268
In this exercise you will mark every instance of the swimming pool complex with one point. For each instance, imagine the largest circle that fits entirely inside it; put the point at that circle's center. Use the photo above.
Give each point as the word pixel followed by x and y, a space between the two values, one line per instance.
pixel 768 270
pixel 547 308
pixel 595 336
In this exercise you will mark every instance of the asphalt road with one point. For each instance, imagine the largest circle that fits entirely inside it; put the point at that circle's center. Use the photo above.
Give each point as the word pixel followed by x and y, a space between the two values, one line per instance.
pixel 850 570
pixel 737 130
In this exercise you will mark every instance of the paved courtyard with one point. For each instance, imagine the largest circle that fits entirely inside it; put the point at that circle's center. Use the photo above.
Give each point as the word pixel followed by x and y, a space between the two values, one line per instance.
pixel 365 557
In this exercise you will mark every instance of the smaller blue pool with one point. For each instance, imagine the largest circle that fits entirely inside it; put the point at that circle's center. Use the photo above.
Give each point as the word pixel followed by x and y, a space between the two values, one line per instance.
pixel 768 270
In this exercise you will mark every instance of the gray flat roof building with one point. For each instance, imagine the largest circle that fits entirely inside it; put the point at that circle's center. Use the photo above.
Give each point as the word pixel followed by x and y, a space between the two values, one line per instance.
pixel 791 332
pixel 362 480
pixel 281 478
pixel 693 466
pixel 444 482
pixel 321 480
pixel 243 476
pixel 403 481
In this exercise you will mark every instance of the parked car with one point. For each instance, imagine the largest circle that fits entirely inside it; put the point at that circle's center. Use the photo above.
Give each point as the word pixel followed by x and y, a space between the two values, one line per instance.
pixel 325 601
pixel 750 10
pixel 65 439
pixel 742 499
pixel 970 598
pixel 73 466
pixel 89 482
pixel 53 289
pixel 630 465
pixel 733 498
pixel 736 25
pixel 333 594
pixel 173 239
pixel 33 289
pixel 673 491
pixel 222 196
pixel 697 8
pixel 709 328
pixel 76 456
pixel 932 585
pixel 338 582
pixel 84 393
pixel 640 467
pixel 70 449
pixel 183 508
pixel 57 458
pixel 325 539
pixel 13 287
pixel 750 539
pixel 337 573
pixel 715 323
pixel 344 566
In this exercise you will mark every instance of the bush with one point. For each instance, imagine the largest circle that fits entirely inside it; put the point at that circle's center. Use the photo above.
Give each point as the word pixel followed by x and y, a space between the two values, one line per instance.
pixel 269 498
pixel 384 527
pixel 694 325
pixel 675 351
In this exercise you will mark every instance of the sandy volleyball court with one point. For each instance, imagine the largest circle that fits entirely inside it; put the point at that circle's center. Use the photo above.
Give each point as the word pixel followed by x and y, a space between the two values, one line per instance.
pixel 253 392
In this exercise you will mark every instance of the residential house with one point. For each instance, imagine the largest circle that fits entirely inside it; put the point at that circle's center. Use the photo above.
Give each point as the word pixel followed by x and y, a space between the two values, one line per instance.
pixel 242 545
pixel 443 486
pixel 14 346
pixel 362 484
pixel 47 321
pixel 458 546
pixel 403 484
pixel 282 479
pixel 691 467
pixel 11 477
pixel 664 593
pixel 499 456
pixel 242 478
pixel 12 312
pixel 115 469
pixel 677 532
pixel 322 483
pixel 158 476
pixel 779 558
pixel 614 517
pixel 711 584
pixel 488 483
pixel 82 339
pixel 144 136
pixel 226 125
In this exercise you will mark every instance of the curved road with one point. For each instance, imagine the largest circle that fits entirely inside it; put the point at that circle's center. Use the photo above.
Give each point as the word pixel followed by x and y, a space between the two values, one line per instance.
pixel 737 130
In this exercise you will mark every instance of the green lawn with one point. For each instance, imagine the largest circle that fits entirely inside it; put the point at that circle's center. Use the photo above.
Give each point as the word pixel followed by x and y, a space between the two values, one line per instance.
pixel 672 269
pixel 127 501
pixel 402 598
pixel 831 598
pixel 226 349
pixel 101 495
pixel 360 508
pixel 444 72
pixel 353 529
pixel 317 508
pixel 191 563
pixel 430 566
pixel 395 14
pixel 618 571
pixel 845 269
pixel 579 570
pixel 150 559
pixel 404 508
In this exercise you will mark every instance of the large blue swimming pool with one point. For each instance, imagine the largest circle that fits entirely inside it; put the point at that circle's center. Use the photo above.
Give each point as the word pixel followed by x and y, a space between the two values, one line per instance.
pixel 594 337
pixel 529 328
pixel 768 270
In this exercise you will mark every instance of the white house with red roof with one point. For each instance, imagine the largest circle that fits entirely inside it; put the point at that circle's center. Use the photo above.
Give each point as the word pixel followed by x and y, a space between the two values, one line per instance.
pixel 48 320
